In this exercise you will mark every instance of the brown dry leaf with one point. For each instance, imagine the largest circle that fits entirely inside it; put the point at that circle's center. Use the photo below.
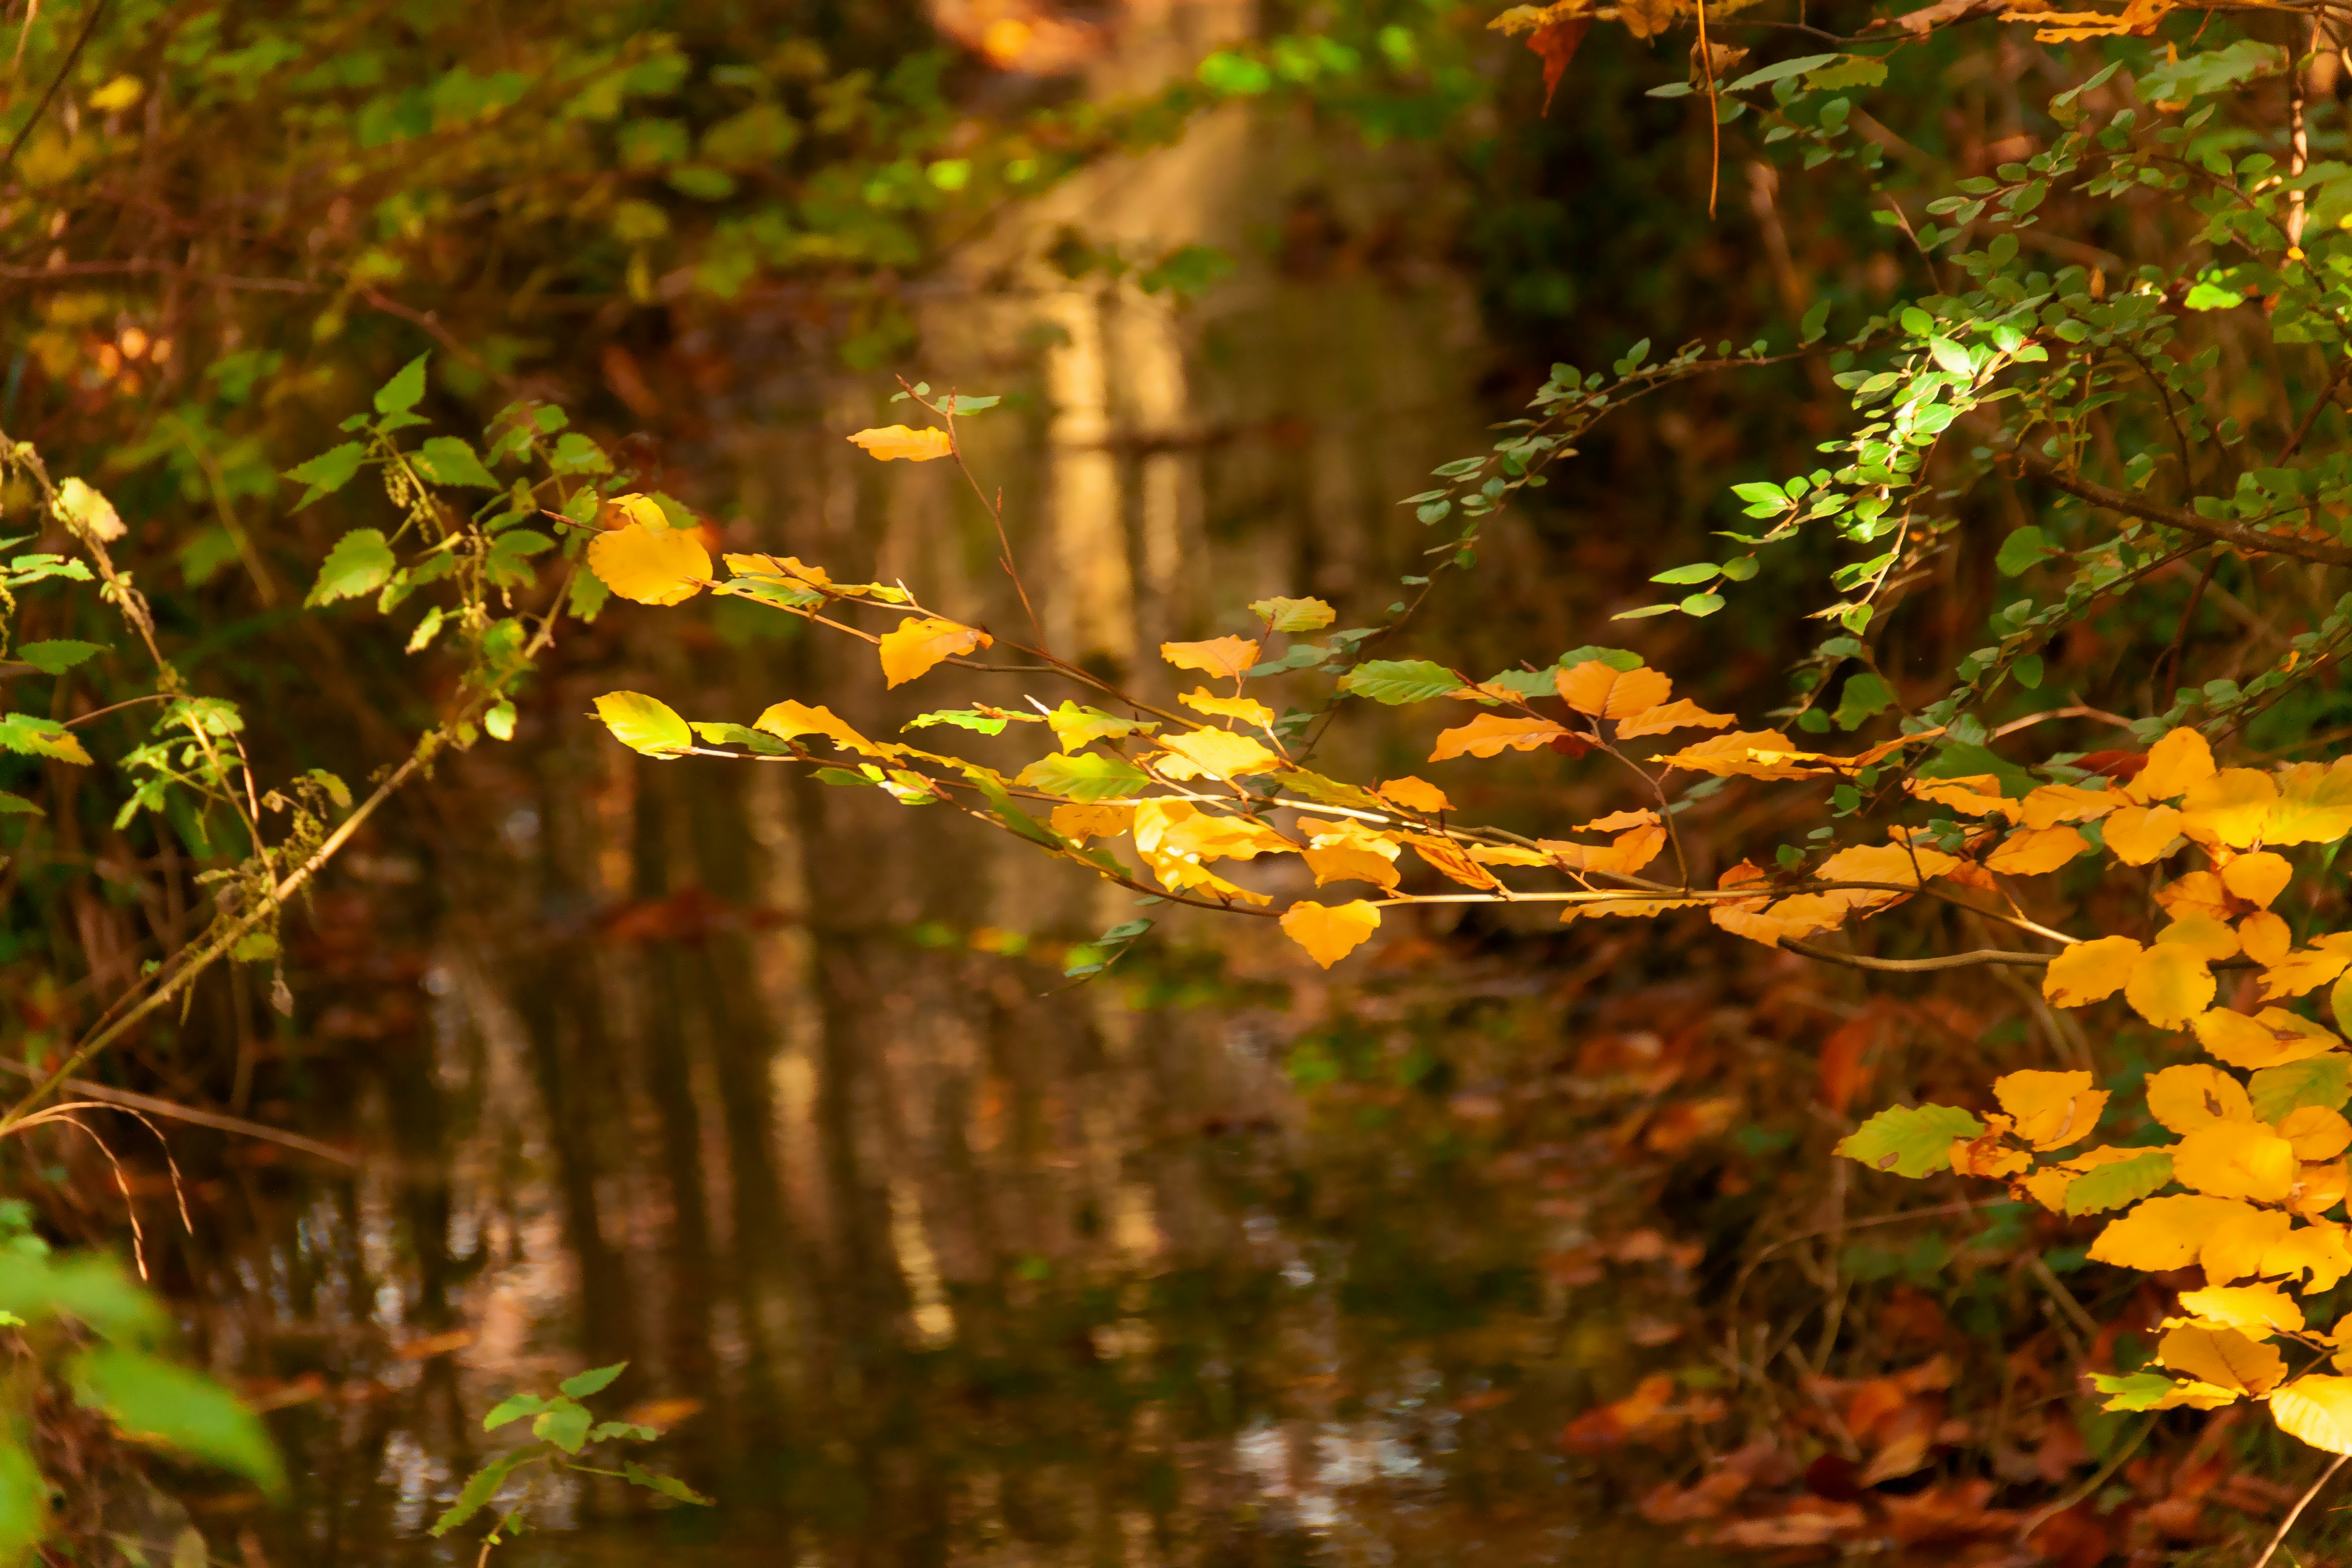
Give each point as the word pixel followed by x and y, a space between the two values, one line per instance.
pixel 1488 733
pixel 1597 689
pixel 1230 658
pixel 1329 933
pixel 918 644
pixel 1682 713
pixel 890 442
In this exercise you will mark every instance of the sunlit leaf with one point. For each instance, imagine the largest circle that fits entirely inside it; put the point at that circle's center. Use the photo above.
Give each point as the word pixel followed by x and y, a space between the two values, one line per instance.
pixel 1597 689
pixel 1329 933
pixel 2170 984
pixel 1910 1141
pixel 2222 1357
pixel 918 643
pixel 1225 657
pixel 667 566
pixel 157 1401
pixel 1293 614
pixel 2053 1108
pixel 32 735
pixel 892 442
pixel 360 563
pixel 2236 1160
pixel 644 723
pixel 2191 1095
pixel 2316 1408
pixel 1487 734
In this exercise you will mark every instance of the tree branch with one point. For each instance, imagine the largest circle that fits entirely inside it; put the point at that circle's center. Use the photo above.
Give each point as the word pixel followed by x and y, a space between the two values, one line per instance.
pixel 2230 534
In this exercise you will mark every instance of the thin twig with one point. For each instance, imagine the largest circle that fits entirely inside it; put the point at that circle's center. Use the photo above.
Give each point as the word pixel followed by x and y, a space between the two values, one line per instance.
pixel 89 25
pixel 2296 1512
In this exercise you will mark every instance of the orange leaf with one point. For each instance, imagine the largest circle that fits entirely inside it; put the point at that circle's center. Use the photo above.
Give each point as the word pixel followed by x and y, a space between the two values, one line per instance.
pixel 1750 754
pixel 2090 970
pixel 2170 984
pixel 1248 710
pixel 1555 42
pixel 2138 833
pixel 1595 687
pixel 918 644
pixel 2175 762
pixel 894 441
pixel 664 567
pixel 1415 794
pixel 2264 937
pixel 1977 794
pixel 1227 656
pixel 2053 804
pixel 789 720
pixel 1488 733
pixel 2032 851
pixel 1346 863
pixel 1329 933
pixel 1448 857
pixel 2258 877
pixel 1682 713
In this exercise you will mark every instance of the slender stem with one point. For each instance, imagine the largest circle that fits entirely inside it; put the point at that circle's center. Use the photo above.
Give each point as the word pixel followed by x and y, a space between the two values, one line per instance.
pixel 2296 1512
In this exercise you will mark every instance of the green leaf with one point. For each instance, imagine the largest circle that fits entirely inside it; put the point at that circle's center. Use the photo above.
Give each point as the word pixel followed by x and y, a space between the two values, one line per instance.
pixel 2339 1004
pixel 1697 572
pixel 644 723
pixel 1293 615
pixel 508 561
pixel 668 1486
pixel 1396 681
pixel 1851 71
pixel 1866 695
pixel 596 1380
pixel 576 454
pixel 2132 1391
pixel 513 1407
pixel 328 472
pixel 448 460
pixel 962 718
pixel 2212 297
pixel 2116 1186
pixel 1766 75
pixel 1910 1139
pixel 723 734
pixel 564 1424
pixel 1331 792
pixel 2324 1081
pixel 158 1401
pixel 17 805
pixel 24 1498
pixel 1089 777
pixel 92 1288
pixel 604 1430
pixel 57 657
pixel 480 1487
pixel 30 735
pixel 405 389
pixel 361 563
pixel 2029 671
pixel 588 595
pixel 1701 605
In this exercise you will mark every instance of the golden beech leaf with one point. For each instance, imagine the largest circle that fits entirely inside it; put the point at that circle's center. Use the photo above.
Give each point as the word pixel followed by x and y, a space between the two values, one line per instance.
pixel 1448 857
pixel 2310 969
pixel 2233 806
pixel 645 724
pixel 2315 804
pixel 1884 863
pixel 1505 855
pixel 1488 733
pixel 2222 1357
pixel 2168 1233
pixel 2051 1108
pixel 2264 937
pixel 1078 821
pixel 2317 1249
pixel 2316 1408
pixel 1346 863
pixel 889 442
pixel 1985 1157
pixel 2053 804
pixel 2236 1160
pixel 2251 1246
pixel 2032 851
pixel 1748 753
pixel 923 641
pixel 1975 795
pixel 1228 656
pixel 1682 713
pixel 2139 834
pixel 2255 1310
pixel 1176 831
pixel 2272 1038
pixel 665 567
pixel 1248 710
pixel 1350 833
pixel 2090 970
pixel 1634 906
pixel 2179 759
pixel 1221 753
pixel 1617 821
pixel 1329 933
pixel 789 721
pixel 2193 1095
pixel 2195 893
pixel 2324 1186
pixel 2316 1132
pixel 2210 939
pixel 1628 853
pixel 2170 984
pixel 1594 687
pixel 785 566
pixel 2258 877
pixel 1415 794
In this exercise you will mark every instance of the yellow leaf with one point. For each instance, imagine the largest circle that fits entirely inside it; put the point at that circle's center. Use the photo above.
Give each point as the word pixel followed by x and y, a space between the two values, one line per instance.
pixel 2222 1357
pixel 1748 753
pixel 1177 830
pixel 2233 806
pixel 2054 803
pixel 1354 834
pixel 1596 689
pixel 1617 821
pixel 2139 834
pixel 1448 857
pixel 2168 1233
pixel 119 94
pixel 1221 753
pixel 2030 852
pixel 1636 906
pixel 2316 1409
pixel 1293 615
pixel 789 721
pixel 1248 710
pixel 1329 933
pixel 2315 804
pixel 84 508
pixel 2208 938
pixel 2175 762
pixel 922 642
pixel 2236 1160
pixel 2264 937
pixel 2317 1249
pixel 1886 863
pixel 2272 1038
pixel 2256 1310
pixel 894 441
pixel 1488 733
pixel 2051 1108
pixel 2258 877
pixel 2193 1095
pixel 2323 1188
pixel 1078 821
pixel 2316 1132
pixel 2195 893
pixel 1411 793
pixel 1682 713
pixel 665 567
pixel 1227 656
pixel 1346 863
pixel 2305 971
pixel 2090 970
pixel 1976 795
pixel 1505 855
pixel 787 567
pixel 2250 1244
pixel 1626 853
pixel 645 724
pixel 2170 984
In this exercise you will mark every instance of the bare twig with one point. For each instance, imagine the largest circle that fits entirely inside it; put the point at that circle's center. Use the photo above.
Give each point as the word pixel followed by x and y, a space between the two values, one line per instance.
pixel 2296 1512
